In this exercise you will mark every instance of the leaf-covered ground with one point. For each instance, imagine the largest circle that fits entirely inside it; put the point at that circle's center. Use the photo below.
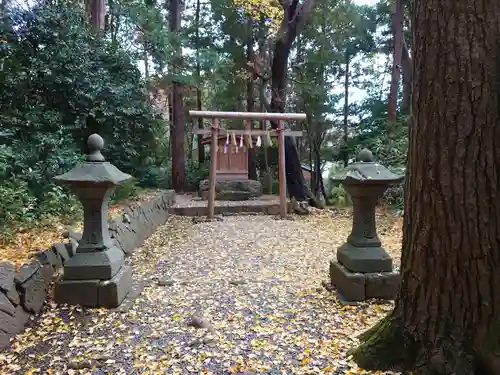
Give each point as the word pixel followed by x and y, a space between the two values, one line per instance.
pixel 255 279
pixel 30 241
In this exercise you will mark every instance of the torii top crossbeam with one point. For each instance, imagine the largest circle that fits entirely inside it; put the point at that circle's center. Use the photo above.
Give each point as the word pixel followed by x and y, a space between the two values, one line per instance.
pixel 249 115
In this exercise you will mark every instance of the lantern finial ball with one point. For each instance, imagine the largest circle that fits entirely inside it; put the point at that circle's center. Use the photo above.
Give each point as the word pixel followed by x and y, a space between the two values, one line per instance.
pixel 95 144
pixel 365 156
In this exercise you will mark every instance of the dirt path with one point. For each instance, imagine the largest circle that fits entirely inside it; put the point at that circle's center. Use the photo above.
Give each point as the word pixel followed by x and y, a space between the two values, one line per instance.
pixel 257 280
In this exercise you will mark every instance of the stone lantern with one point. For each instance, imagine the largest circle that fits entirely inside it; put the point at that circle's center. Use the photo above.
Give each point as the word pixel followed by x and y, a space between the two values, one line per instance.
pixel 363 268
pixel 96 275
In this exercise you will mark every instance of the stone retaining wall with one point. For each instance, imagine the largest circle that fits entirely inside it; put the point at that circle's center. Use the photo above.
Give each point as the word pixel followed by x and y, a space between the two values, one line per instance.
pixel 138 223
pixel 23 292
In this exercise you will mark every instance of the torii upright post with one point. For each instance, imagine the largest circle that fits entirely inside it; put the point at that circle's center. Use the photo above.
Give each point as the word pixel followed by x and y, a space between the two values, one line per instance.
pixel 213 168
pixel 282 171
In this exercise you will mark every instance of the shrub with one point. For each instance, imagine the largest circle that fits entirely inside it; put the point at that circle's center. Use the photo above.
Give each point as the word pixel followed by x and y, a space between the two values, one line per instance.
pixel 157 177
pixel 126 191
pixel 54 94
pixel 196 172
pixel 339 196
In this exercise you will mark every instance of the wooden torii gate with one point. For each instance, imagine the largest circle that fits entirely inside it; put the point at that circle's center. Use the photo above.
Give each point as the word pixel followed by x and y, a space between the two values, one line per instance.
pixel 215 131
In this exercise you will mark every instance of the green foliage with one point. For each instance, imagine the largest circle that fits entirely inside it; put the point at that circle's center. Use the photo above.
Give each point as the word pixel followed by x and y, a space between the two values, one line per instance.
pixel 389 144
pixel 339 196
pixel 157 177
pixel 126 191
pixel 20 210
pixel 196 172
pixel 60 82
pixel 161 176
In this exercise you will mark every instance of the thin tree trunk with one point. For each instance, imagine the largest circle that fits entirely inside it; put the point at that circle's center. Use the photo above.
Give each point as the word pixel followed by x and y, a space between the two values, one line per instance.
pixel 252 156
pixel 201 148
pixel 312 179
pixel 177 126
pixel 446 318
pixel 406 64
pixel 407 81
pixel 318 184
pixel 146 59
pixel 96 13
pixel 267 178
pixel 346 109
pixel 397 32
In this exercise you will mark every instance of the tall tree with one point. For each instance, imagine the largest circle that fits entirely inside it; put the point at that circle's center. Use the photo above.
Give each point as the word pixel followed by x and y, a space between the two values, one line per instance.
pixel 177 125
pixel 447 313
pixel 295 17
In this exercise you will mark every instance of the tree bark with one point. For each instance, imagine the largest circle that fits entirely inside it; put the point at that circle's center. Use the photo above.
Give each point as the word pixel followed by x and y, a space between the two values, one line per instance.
pixel 252 156
pixel 295 17
pixel 96 13
pixel 447 314
pixel 397 31
pixel 201 148
pixel 177 125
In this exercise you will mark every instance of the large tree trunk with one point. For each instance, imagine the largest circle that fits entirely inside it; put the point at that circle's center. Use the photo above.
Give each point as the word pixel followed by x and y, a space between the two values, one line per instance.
pixel 397 32
pixel 295 17
pixel 446 318
pixel 177 125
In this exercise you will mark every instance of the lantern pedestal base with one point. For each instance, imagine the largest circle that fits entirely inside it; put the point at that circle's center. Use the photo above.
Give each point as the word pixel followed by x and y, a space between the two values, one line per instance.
pixel 364 259
pixel 357 286
pixel 98 265
pixel 95 293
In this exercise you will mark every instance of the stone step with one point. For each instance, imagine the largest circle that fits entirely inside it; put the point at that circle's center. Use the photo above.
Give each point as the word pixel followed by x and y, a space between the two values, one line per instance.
pixel 265 209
